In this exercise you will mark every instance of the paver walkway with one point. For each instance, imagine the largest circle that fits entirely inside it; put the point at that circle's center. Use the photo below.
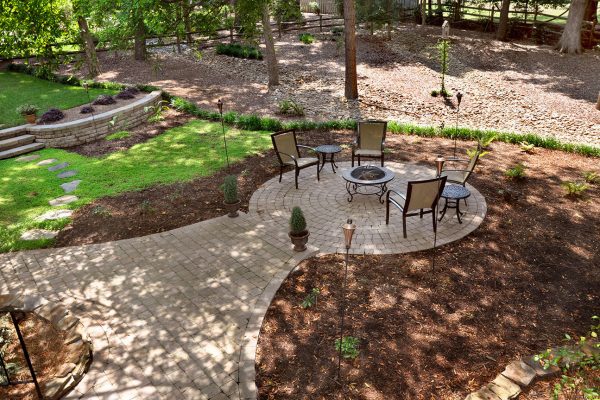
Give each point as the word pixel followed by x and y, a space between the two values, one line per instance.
pixel 176 315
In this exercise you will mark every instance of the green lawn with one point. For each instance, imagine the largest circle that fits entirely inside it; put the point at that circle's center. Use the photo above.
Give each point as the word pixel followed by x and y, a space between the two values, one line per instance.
pixel 17 89
pixel 180 154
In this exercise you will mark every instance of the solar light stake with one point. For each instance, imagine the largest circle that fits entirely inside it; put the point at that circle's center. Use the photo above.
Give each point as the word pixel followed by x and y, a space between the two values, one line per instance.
pixel 220 105
pixel 86 86
pixel 349 229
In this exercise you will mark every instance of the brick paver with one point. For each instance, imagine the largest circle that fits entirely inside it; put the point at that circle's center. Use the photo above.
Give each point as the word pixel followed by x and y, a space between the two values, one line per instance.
pixel 176 315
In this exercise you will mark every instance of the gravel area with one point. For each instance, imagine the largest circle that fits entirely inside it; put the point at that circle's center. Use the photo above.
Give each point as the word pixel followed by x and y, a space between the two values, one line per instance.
pixel 518 86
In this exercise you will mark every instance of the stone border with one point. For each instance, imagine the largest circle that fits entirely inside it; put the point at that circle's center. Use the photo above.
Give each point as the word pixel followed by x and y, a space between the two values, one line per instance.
pixel 520 374
pixel 77 340
pixel 91 128
pixel 247 360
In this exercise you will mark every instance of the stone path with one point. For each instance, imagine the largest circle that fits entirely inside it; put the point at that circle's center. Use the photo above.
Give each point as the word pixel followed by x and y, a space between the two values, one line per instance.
pixel 176 315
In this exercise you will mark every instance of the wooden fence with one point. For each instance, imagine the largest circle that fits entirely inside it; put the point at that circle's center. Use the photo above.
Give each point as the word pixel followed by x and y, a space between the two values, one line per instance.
pixel 326 6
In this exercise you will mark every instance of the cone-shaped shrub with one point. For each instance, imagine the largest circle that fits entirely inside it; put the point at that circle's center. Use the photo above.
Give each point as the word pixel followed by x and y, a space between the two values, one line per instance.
pixel 297 221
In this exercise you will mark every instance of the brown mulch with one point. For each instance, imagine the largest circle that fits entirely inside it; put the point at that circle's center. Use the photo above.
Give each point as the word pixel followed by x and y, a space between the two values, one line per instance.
pixel 46 349
pixel 528 275
pixel 139 134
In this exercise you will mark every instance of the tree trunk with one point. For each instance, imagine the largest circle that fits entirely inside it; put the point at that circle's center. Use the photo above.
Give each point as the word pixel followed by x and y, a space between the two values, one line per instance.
pixel 186 10
pixel 502 32
pixel 423 12
pixel 271 58
pixel 598 102
pixel 591 12
pixel 570 40
pixel 140 39
pixel 91 59
pixel 350 44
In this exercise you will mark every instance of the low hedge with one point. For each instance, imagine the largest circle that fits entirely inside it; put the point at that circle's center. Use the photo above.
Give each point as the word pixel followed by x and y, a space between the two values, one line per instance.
pixel 239 51
pixel 255 122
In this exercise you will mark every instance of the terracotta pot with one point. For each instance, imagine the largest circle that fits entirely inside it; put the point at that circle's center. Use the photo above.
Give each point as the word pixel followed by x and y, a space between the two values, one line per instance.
pixel 299 241
pixel 232 209
pixel 30 118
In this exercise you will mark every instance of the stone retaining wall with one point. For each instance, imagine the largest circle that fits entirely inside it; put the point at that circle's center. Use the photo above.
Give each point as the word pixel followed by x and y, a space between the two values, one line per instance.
pixel 96 126
pixel 77 342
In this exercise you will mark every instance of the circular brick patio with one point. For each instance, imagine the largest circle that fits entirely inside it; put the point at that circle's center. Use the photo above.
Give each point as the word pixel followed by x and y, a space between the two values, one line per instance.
pixel 326 207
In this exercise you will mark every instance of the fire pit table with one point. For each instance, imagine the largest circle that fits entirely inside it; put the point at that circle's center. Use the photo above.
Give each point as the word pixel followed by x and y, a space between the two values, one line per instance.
pixel 367 180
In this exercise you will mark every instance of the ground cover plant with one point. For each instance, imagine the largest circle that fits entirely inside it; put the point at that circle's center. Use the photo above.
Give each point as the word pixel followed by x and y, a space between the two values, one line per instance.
pixel 239 50
pixel 178 155
pixel 19 88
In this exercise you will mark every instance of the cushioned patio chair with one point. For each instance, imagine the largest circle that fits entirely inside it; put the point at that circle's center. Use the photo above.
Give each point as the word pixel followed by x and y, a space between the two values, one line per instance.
pixel 421 198
pixel 369 141
pixel 288 153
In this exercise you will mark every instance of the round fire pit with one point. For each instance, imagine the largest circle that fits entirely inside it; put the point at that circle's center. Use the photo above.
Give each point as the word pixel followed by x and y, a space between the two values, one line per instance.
pixel 367 180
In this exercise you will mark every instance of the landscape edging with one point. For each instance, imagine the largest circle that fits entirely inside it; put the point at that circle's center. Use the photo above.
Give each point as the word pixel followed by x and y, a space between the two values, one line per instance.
pixel 70 374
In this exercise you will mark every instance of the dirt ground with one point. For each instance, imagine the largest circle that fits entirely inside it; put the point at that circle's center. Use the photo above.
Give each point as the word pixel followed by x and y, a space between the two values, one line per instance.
pixel 515 86
pixel 528 275
pixel 46 350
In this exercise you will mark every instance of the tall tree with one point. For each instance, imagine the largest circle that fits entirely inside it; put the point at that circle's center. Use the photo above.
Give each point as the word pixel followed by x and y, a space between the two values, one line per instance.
pixel 502 32
pixel 351 90
pixel 91 58
pixel 570 40
pixel 271 58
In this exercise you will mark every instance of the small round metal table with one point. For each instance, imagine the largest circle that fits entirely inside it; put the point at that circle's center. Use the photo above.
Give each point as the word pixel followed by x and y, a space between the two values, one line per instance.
pixel 331 150
pixel 453 194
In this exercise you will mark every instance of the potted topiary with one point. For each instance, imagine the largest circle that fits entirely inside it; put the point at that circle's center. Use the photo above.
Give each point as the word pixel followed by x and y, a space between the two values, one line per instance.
pixel 230 194
pixel 28 111
pixel 298 232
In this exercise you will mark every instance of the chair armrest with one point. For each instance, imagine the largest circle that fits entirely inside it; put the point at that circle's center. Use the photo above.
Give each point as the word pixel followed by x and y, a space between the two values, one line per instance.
pixel 290 156
pixel 307 147
pixel 394 202
pixel 457 159
pixel 456 170
pixel 390 191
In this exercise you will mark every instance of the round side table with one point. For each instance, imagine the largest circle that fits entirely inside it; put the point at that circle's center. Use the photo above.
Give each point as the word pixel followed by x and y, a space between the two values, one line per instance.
pixel 453 194
pixel 331 150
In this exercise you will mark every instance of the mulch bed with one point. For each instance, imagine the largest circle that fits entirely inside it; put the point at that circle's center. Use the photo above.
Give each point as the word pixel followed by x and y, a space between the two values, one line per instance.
pixel 527 276
pixel 46 349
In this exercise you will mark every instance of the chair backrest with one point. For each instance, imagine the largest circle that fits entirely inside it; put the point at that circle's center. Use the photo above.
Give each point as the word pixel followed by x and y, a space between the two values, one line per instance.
pixel 472 164
pixel 371 134
pixel 285 142
pixel 424 194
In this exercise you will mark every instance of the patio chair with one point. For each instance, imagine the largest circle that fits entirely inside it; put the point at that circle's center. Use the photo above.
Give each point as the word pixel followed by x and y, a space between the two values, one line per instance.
pixel 288 153
pixel 421 198
pixel 460 176
pixel 369 140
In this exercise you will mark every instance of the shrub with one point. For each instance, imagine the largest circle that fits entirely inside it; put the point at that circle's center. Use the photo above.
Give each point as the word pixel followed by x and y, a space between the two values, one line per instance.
pixel 290 107
pixel 250 122
pixel 104 100
pixel 348 345
pixel 118 135
pixel 527 147
pixel 311 298
pixel 591 177
pixel 297 222
pixel 306 38
pixel 270 124
pixel 230 189
pixel 516 172
pixel 86 110
pixel 239 51
pixel 52 115
pixel 314 7
pixel 128 93
pixel 28 109
pixel 579 366
pixel 575 189
pixel 230 117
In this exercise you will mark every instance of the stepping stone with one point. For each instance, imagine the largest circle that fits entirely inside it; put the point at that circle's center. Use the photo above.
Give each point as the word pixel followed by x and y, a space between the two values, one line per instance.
pixel 519 372
pixel 55 214
pixel 70 186
pixel 47 162
pixel 28 158
pixel 67 174
pixel 58 166
pixel 36 234
pixel 60 201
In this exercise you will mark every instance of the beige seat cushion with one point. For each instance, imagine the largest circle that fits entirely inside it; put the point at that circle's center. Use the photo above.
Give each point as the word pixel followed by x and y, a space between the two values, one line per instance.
pixel 363 152
pixel 304 161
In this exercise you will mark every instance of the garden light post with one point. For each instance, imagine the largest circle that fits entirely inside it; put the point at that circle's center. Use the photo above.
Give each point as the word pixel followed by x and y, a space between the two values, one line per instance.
pixel 459 97
pixel 439 164
pixel 86 86
pixel 348 229
pixel 439 167
pixel 220 105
